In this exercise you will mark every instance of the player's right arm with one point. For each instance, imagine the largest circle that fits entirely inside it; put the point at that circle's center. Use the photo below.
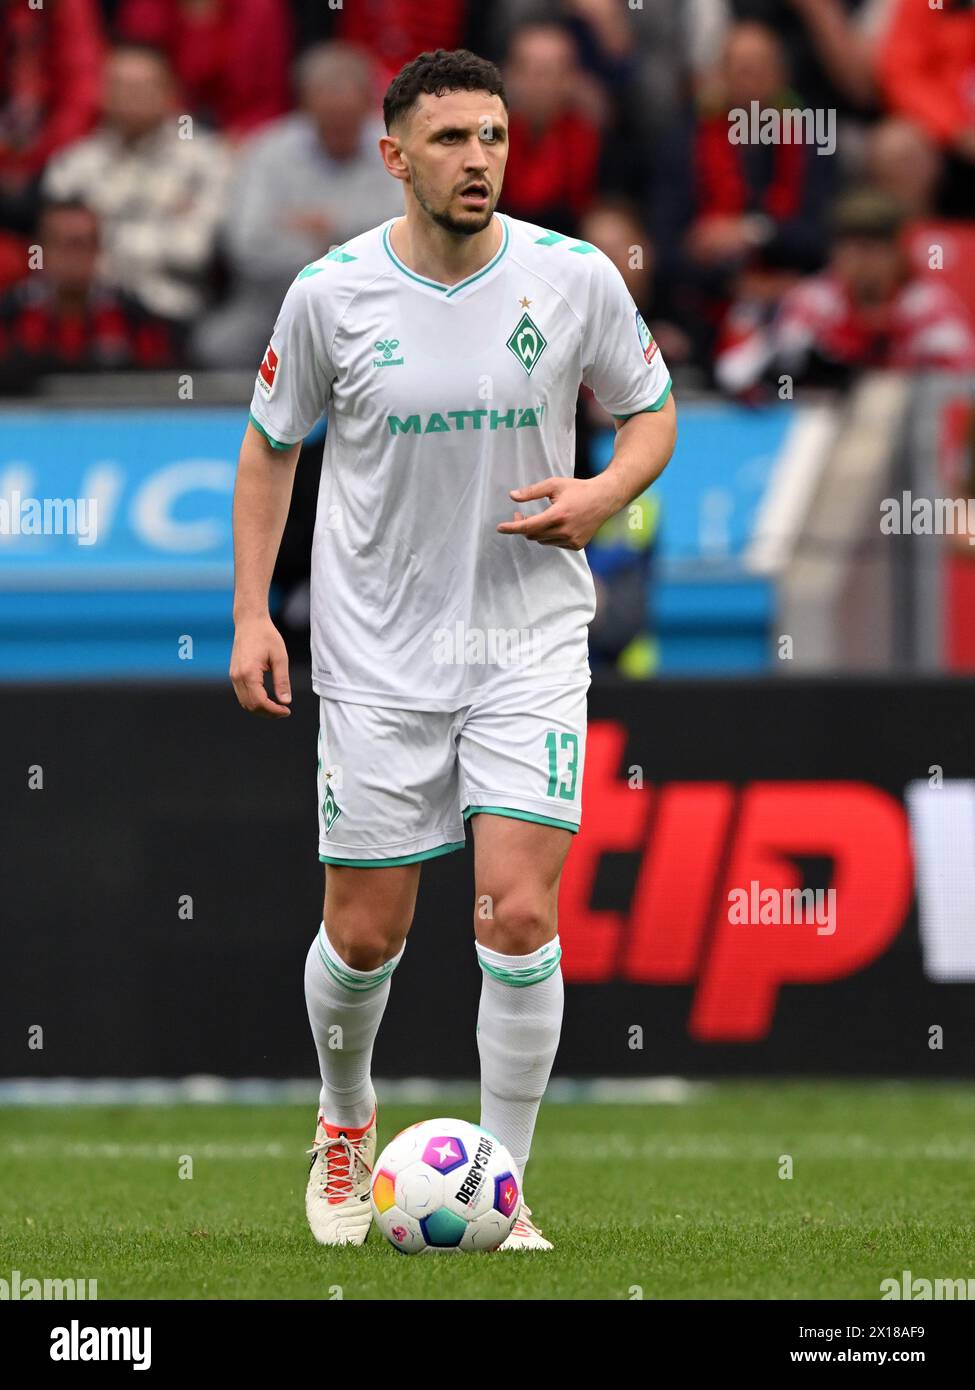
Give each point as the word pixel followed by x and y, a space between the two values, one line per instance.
pixel 290 394
pixel 262 496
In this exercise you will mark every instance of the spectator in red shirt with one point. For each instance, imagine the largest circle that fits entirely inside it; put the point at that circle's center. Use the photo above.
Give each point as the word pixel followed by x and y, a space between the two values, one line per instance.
pixel 393 32
pixel 927 72
pixel 231 57
pixel 62 318
pixel 866 310
pixel 553 154
pixel 927 68
pixel 750 195
pixel 50 86
pixel 50 81
pixel 718 208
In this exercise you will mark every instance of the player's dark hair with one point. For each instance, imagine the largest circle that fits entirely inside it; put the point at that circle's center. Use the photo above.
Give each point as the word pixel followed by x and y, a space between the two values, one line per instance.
pixel 437 73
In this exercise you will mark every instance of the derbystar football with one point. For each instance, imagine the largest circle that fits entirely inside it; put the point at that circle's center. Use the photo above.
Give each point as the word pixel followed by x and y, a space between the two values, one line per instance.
pixel 445 1185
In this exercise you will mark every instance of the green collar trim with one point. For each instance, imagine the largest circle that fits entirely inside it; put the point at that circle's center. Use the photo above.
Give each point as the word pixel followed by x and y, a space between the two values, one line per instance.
pixel 448 290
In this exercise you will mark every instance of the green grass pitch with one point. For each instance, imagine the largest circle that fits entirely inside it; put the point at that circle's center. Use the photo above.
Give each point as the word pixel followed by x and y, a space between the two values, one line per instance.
pixel 659 1201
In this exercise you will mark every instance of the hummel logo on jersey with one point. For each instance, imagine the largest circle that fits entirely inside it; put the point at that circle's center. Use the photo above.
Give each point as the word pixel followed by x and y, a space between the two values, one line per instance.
pixel 268 371
pixel 336 254
pixel 387 346
pixel 527 343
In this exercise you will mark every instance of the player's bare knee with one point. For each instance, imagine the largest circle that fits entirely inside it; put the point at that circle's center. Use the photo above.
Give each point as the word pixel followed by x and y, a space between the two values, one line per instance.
pixel 366 927
pixel 365 944
pixel 519 924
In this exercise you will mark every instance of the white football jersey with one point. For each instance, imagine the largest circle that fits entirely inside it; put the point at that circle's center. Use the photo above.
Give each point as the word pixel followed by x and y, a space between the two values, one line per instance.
pixel 440 400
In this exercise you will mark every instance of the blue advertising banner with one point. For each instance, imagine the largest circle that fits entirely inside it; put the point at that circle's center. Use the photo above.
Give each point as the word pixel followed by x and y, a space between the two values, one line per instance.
pixel 101 497
pixel 115 540
pixel 116 552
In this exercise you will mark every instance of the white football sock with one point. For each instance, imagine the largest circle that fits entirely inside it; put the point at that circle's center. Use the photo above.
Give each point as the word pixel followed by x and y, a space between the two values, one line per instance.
pixel 518 1027
pixel 353 1001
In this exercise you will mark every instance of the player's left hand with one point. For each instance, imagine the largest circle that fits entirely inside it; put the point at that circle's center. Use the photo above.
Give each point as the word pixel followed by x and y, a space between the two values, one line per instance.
pixel 578 509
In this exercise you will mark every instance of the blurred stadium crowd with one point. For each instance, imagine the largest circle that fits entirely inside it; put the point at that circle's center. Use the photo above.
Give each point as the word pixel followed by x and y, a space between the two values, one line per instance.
pixel 171 239
pixel 177 161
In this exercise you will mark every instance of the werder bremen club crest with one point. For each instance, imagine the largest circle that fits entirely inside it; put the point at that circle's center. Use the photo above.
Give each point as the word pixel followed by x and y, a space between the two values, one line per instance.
pixel 527 343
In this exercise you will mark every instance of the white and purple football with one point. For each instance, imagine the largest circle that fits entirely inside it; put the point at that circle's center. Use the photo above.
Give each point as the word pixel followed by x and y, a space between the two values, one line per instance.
pixel 445 1185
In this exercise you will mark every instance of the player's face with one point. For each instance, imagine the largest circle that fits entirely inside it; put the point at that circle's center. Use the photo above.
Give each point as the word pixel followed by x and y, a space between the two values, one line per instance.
pixel 456 147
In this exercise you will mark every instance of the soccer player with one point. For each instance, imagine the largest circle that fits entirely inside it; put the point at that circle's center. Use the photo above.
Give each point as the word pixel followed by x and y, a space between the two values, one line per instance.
pixel 450 593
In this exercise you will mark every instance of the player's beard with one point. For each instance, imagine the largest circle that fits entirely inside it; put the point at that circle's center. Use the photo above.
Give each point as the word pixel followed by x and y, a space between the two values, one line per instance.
pixel 469 225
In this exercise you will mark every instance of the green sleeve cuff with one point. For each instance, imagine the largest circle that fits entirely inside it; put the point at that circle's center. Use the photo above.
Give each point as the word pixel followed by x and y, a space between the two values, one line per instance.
pixel 657 405
pixel 274 443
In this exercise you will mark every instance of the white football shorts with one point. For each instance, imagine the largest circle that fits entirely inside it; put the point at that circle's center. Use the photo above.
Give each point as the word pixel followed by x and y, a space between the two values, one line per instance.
pixel 396 785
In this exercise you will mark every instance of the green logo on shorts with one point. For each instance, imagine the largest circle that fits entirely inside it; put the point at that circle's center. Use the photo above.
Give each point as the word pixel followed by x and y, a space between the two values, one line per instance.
pixel 330 808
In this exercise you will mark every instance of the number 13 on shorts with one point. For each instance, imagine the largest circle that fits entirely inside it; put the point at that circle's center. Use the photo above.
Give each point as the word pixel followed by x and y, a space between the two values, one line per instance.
pixel 563 764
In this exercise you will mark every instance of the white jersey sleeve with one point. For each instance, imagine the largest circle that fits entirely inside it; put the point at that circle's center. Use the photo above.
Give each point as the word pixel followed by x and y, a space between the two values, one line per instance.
pixel 621 362
pixel 295 377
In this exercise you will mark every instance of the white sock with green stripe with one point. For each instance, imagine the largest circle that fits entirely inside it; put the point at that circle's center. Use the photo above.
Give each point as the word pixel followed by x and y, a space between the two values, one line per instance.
pixel 345 1008
pixel 518 1026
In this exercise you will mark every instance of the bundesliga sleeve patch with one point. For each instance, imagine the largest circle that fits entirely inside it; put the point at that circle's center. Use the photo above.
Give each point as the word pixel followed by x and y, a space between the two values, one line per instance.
pixel 268 372
pixel 647 341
